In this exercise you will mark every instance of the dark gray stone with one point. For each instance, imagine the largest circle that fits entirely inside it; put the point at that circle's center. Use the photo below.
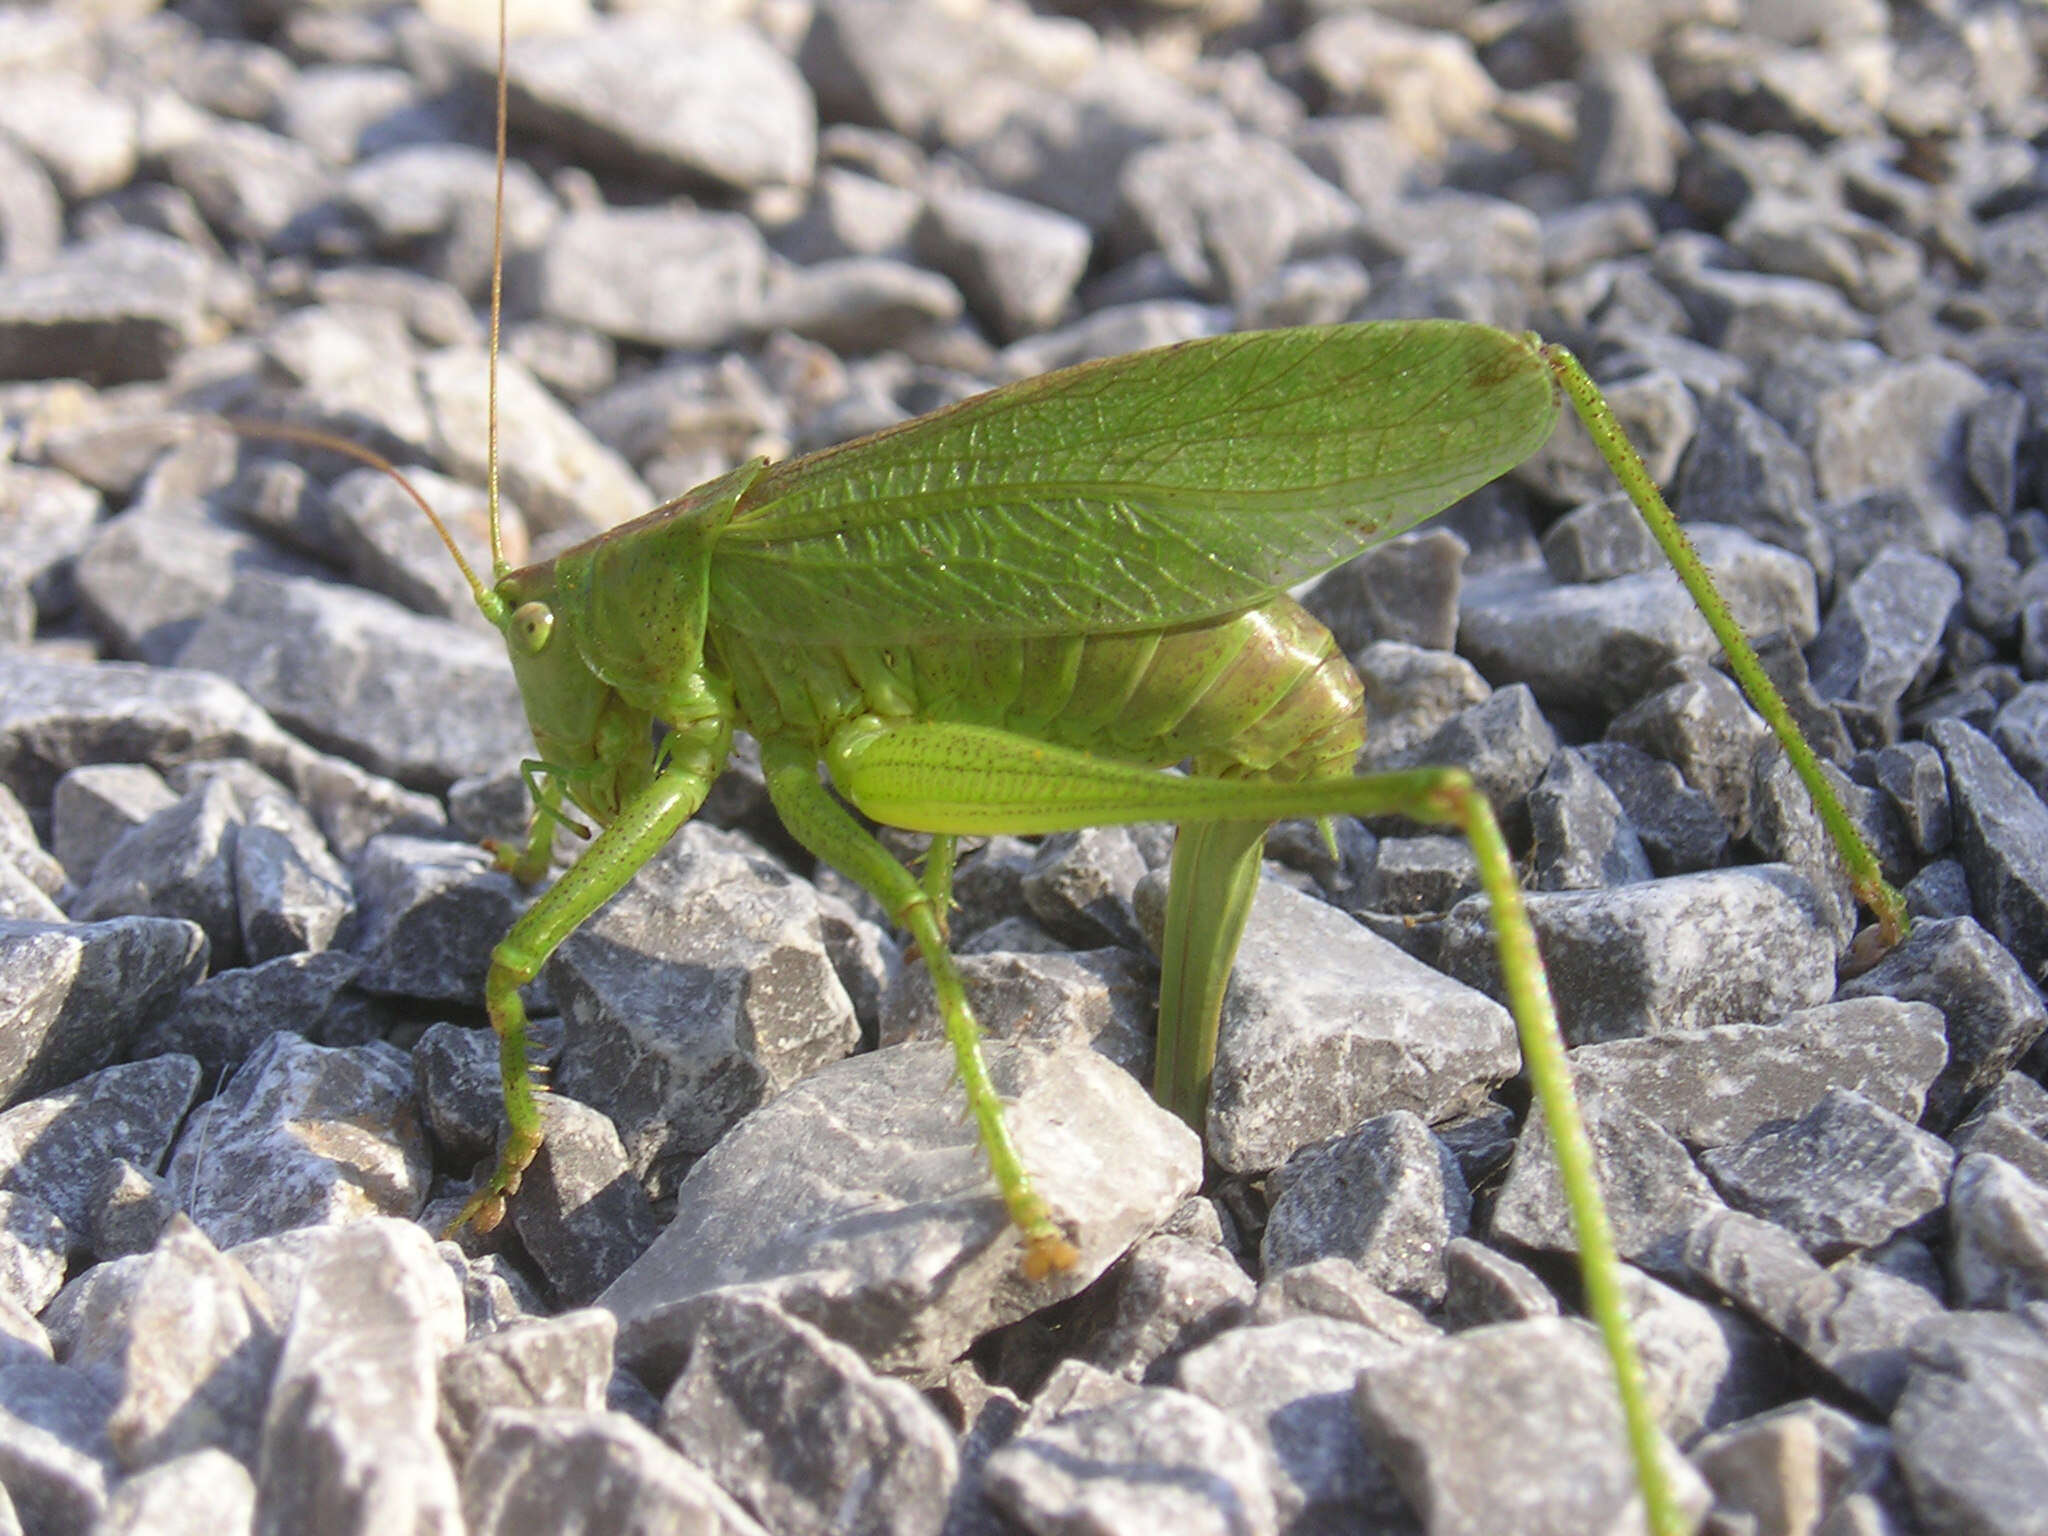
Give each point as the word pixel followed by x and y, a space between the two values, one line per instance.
pixel 1600 540
pixel 1853 1322
pixel 1846 1175
pixel 862 1194
pixel 2021 732
pixel 1704 727
pixel 800 1431
pixel 1540 1451
pixel 1583 838
pixel 1910 775
pixel 1600 647
pixel 431 913
pixel 124 306
pixel 224 1018
pixel 1080 887
pixel 358 673
pixel 699 993
pixel 1483 1285
pixel 1420 876
pixel 2002 839
pixel 1882 633
pixel 178 863
pixel 581 1214
pixel 1679 828
pixel 1993 1012
pixel 130 1208
pixel 2010 1122
pixel 1388 1196
pixel 1744 471
pixel 54 1147
pixel 1505 744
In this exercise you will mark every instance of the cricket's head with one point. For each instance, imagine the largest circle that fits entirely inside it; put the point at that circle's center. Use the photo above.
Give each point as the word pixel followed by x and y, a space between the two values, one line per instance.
pixel 595 743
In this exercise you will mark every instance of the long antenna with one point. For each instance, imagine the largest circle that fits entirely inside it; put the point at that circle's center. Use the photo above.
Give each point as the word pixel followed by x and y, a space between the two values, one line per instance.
pixel 313 437
pixel 500 567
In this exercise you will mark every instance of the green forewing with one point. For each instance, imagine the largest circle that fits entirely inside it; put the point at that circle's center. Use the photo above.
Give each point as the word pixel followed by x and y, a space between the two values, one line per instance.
pixel 1159 488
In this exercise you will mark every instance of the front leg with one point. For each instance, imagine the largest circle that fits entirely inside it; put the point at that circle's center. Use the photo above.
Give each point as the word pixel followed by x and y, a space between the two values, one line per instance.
pixel 648 820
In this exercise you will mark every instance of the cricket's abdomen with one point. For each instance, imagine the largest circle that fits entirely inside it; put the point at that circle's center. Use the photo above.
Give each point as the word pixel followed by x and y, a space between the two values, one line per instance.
pixel 1262 693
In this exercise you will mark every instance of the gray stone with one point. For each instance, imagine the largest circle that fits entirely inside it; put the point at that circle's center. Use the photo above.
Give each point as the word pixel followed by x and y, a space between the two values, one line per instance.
pixel 648 94
pixel 1898 427
pixel 1657 412
pixel 1883 631
pixel 253 185
pixel 53 1147
pixel 1846 1175
pixel 1156 1459
pixel 349 1429
pixel 1582 837
pixel 84 135
pixel 2021 732
pixel 178 863
pixel 55 1462
pixel 2010 1122
pixel 1853 1322
pixel 1505 744
pixel 304 1133
pixel 1289 1383
pixel 611 269
pixel 1704 727
pixel 33 1243
pixel 130 1208
pixel 432 202
pixel 1743 470
pixel 1968 1429
pixel 1483 1285
pixel 561 1362
pixel 1409 693
pixel 909 1257
pixel 1228 210
pixel 1716 1086
pixel 699 993
pixel 1541 1450
pixel 363 675
pixel 203 1493
pixel 1784 1468
pixel 534 1470
pixel 798 1429
pixel 124 306
pixel 2002 839
pixel 191 1352
pixel 1599 540
pixel 1171 1295
pixel 1655 1196
pixel 1420 876
pixel 1324 1023
pixel 1080 886
pixel 1910 775
pixel 31 217
pixel 386 545
pixel 1337 1288
pixel 1752 950
pixel 1405 591
pixel 1104 998
pixel 1601 647
pixel 1388 1196
pixel 1998 1235
pixel 1015 263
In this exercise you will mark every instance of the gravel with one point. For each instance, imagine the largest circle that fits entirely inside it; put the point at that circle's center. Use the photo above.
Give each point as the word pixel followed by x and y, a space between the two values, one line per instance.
pixel 757 1281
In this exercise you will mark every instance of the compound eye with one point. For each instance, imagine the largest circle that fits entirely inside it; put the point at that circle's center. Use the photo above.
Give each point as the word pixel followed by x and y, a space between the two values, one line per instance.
pixel 532 623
